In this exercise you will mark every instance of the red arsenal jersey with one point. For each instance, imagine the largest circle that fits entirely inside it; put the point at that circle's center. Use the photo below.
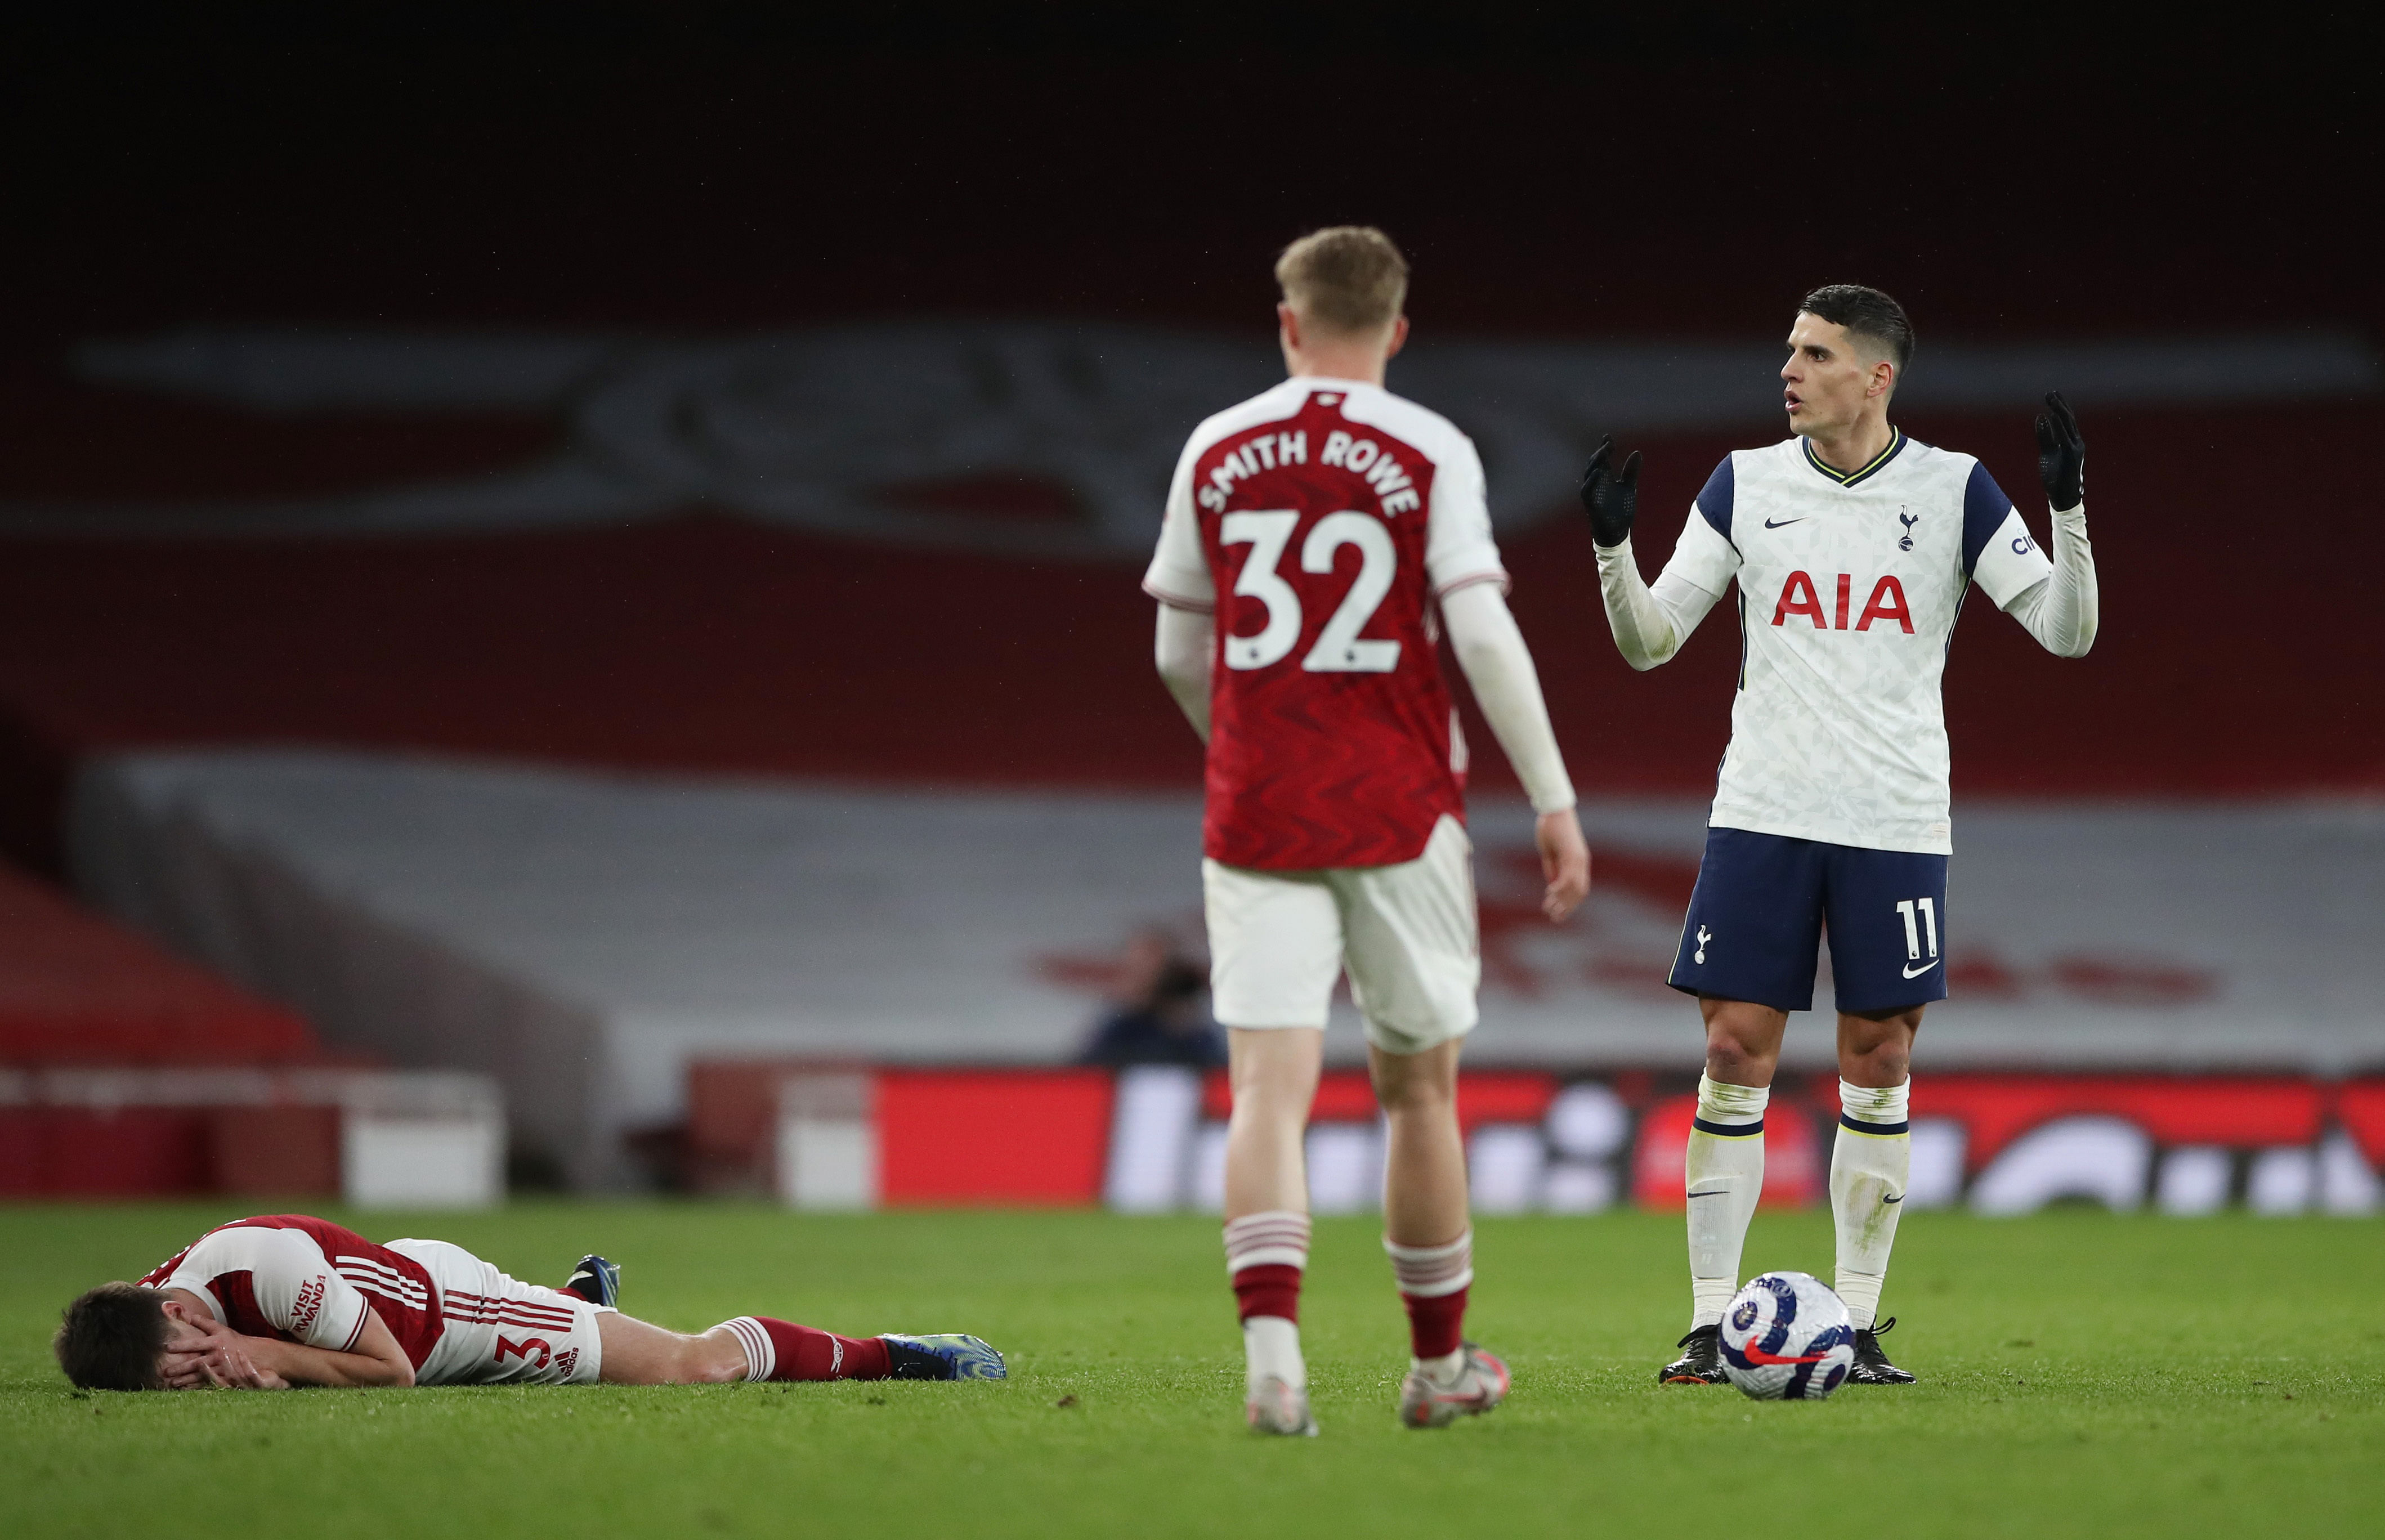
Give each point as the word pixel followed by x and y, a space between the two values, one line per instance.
pixel 307 1281
pixel 1319 521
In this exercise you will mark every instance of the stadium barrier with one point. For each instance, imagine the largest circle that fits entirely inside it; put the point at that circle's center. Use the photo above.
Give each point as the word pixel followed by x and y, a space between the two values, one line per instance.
pixel 1152 1140
pixel 375 1138
pixel 583 937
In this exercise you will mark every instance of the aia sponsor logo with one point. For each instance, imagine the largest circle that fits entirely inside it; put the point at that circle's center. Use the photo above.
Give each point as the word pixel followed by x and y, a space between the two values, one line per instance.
pixel 308 1306
pixel 1798 597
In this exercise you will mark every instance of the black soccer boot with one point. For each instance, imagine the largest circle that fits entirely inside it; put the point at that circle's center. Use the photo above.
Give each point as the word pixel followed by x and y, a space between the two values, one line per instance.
pixel 596 1281
pixel 1872 1367
pixel 1701 1365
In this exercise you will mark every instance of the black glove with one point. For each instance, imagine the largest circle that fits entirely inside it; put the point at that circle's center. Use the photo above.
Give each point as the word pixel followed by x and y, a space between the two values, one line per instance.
pixel 1608 495
pixel 2061 454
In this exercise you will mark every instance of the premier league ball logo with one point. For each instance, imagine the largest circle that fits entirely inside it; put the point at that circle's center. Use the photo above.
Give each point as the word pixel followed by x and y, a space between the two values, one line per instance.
pixel 1786 1337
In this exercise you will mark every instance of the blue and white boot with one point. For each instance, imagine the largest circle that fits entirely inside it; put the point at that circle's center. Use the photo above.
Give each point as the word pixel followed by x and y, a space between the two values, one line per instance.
pixel 948 1356
pixel 596 1281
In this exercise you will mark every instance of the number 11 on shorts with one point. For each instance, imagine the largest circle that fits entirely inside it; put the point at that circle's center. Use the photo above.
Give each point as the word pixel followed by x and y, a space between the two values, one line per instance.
pixel 1929 908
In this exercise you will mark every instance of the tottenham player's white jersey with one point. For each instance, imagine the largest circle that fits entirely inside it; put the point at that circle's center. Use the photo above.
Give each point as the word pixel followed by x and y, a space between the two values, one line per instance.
pixel 1849 586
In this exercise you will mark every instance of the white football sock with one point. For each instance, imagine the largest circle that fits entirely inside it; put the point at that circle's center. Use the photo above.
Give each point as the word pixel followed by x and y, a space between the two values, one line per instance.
pixel 761 1354
pixel 1725 1176
pixel 1271 1345
pixel 1273 1237
pixel 1434 1272
pixel 1868 1166
pixel 1442 1371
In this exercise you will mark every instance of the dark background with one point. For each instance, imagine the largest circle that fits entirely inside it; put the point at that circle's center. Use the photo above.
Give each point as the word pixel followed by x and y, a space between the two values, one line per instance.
pixel 2012 170
pixel 1554 172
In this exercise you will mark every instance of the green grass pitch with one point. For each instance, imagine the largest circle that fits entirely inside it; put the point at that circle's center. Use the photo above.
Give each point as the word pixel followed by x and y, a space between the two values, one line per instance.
pixel 2082 1374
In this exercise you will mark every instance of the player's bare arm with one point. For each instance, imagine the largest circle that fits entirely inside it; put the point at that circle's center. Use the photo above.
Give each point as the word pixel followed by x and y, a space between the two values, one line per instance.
pixel 220 1359
pixel 202 1351
pixel 1565 862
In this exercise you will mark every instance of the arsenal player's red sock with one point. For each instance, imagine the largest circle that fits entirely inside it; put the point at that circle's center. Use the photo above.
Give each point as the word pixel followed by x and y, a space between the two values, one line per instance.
pixel 1265 1254
pixel 1433 1282
pixel 783 1350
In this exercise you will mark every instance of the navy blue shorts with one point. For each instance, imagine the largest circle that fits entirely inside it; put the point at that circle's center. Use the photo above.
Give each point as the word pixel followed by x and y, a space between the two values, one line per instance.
pixel 1763 901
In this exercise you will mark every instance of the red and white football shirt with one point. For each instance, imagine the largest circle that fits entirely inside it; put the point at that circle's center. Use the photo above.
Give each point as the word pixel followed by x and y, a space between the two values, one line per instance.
pixel 1331 514
pixel 306 1280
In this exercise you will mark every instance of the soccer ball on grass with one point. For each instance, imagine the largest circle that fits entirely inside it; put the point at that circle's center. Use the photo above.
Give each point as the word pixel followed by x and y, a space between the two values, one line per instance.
pixel 1786 1337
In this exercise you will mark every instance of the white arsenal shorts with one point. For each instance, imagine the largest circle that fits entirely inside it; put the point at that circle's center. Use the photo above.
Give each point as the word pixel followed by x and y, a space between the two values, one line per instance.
pixel 500 1331
pixel 1408 934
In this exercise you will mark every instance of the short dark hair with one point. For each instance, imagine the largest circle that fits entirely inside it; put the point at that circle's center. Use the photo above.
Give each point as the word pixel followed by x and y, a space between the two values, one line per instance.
pixel 1865 313
pixel 111 1338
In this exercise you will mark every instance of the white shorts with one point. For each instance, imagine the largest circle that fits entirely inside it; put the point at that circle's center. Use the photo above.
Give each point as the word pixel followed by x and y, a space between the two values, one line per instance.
pixel 501 1331
pixel 1408 934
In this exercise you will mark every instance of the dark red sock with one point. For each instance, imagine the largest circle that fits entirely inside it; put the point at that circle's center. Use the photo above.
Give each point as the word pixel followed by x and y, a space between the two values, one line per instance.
pixel 806 1353
pixel 1436 1325
pixel 1271 1288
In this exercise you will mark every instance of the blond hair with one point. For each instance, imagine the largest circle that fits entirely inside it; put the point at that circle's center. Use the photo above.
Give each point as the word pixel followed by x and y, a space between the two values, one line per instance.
pixel 1348 278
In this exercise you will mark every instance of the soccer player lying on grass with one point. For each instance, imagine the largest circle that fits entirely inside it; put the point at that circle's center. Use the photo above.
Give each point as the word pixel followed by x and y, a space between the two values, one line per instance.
pixel 284 1300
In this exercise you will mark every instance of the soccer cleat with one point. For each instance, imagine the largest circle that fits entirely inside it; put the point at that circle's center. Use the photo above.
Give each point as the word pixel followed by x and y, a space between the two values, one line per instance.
pixel 949 1355
pixel 1481 1383
pixel 1872 1367
pixel 596 1281
pixel 1275 1407
pixel 1701 1364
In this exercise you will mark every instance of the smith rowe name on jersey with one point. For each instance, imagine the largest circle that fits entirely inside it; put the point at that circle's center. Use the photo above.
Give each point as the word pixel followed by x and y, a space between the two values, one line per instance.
pixel 1849 586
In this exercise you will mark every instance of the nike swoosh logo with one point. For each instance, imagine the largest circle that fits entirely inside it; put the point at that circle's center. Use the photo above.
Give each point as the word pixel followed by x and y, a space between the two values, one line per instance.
pixel 1916 972
pixel 1782 525
pixel 1711 1192
pixel 1758 1357
pixel 1898 1198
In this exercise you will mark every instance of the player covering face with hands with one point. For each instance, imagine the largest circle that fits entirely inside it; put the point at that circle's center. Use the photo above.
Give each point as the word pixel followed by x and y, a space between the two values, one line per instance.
pixel 1853 546
pixel 285 1300
pixel 1318 539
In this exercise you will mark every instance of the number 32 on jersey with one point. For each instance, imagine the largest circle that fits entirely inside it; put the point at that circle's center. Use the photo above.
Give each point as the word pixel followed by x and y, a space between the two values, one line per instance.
pixel 1339 648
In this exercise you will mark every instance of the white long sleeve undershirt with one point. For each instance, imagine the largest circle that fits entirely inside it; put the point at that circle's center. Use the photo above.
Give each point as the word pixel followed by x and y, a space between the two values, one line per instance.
pixel 1490 652
pixel 1186 642
pixel 1498 668
pixel 2064 610
pixel 1649 625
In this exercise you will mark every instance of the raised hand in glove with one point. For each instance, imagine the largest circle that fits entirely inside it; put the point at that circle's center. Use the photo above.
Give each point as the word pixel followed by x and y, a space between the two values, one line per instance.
pixel 1608 495
pixel 2061 455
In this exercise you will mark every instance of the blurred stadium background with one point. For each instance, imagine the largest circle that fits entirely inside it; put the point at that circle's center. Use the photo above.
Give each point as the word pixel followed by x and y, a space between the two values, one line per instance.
pixel 569 602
